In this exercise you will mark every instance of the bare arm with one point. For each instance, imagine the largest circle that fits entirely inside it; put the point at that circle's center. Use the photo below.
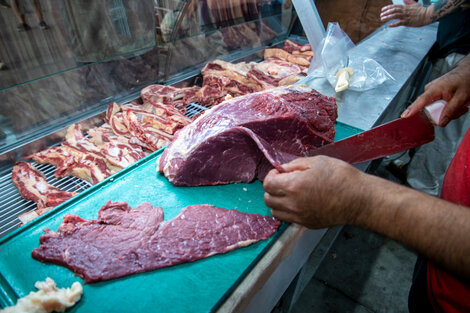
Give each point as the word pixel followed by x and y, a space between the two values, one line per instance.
pixel 322 192
pixel 454 87
pixel 415 15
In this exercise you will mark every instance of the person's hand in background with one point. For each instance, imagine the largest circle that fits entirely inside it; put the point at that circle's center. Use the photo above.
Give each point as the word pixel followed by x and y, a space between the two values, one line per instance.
pixel 454 87
pixel 411 14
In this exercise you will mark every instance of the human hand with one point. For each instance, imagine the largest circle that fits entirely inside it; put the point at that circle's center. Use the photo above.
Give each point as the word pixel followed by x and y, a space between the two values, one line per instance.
pixel 411 14
pixel 454 87
pixel 316 192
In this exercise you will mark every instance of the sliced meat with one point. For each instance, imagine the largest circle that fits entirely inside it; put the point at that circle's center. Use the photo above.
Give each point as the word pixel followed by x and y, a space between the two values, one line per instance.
pixel 299 59
pixel 94 158
pixel 91 168
pixel 117 149
pixel 177 97
pixel 150 126
pixel 242 138
pixel 275 72
pixel 151 137
pixel 32 185
pixel 200 231
pixel 61 157
pixel 221 78
pixel 124 241
pixel 115 120
pixel 292 47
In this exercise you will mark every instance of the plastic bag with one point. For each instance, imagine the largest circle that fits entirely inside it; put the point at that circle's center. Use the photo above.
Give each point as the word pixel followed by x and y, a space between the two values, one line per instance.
pixel 337 51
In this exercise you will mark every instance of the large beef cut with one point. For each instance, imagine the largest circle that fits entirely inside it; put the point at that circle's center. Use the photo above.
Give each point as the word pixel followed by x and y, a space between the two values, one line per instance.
pixel 124 241
pixel 243 138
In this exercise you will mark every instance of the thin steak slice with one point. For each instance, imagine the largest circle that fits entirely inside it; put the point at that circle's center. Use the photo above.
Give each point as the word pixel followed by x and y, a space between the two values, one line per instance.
pixel 243 138
pixel 124 241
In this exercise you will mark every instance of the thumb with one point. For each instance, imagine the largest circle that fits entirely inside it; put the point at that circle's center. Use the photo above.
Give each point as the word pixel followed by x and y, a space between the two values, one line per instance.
pixel 409 2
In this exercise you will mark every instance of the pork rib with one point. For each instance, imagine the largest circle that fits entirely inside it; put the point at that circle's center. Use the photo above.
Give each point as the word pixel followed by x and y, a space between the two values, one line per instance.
pixel 124 241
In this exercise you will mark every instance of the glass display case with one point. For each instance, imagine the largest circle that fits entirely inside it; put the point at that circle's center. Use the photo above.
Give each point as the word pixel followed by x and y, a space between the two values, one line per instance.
pixel 91 53
pixel 66 61
pixel 76 57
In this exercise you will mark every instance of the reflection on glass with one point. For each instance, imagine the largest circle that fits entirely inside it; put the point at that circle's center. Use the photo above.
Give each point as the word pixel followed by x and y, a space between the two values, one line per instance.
pixel 104 29
pixel 76 56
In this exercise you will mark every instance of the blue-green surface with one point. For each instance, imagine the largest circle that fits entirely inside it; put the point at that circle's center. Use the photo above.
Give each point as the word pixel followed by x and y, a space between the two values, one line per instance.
pixel 199 286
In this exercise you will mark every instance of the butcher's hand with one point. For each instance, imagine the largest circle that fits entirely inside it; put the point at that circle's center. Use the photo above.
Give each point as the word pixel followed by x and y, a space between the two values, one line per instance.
pixel 411 14
pixel 316 192
pixel 454 87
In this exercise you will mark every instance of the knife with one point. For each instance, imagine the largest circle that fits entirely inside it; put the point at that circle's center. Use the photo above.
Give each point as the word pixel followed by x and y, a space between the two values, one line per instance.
pixel 390 138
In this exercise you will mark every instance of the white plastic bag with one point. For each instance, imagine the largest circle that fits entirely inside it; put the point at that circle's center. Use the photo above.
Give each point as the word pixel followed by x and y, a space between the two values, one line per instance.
pixel 337 51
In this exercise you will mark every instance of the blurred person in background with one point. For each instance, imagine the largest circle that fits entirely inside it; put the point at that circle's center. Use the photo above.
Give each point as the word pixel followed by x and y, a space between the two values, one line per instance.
pixel 23 26
pixel 424 168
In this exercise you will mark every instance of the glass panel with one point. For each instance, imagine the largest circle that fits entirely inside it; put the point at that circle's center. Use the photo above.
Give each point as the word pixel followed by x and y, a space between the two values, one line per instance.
pixel 71 58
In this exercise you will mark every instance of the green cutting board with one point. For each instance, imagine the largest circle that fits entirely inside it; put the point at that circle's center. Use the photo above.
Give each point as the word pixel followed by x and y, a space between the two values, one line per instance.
pixel 199 286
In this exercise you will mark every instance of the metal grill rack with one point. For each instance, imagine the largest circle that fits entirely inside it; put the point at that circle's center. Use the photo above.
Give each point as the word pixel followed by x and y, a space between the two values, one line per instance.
pixel 193 109
pixel 11 202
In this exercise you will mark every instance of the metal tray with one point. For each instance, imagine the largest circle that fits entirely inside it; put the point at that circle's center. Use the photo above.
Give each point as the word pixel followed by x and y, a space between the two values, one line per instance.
pixel 199 286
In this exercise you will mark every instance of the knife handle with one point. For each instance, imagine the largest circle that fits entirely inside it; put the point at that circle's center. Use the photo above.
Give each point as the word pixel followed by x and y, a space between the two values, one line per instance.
pixel 434 110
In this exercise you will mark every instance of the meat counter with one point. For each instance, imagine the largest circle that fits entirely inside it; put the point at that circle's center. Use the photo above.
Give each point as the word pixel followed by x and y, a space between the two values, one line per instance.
pixel 79 90
pixel 292 261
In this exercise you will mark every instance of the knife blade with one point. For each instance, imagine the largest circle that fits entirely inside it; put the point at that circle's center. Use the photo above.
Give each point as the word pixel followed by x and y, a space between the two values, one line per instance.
pixel 390 138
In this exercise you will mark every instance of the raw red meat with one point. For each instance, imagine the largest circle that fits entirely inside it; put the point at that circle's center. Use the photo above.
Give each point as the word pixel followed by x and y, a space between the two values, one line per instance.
pixel 150 126
pixel 221 78
pixel 92 159
pixel 281 67
pixel 61 157
pixel 124 241
pixel 243 138
pixel 177 97
pixel 93 166
pixel 32 185
pixel 117 149
pixel 275 72
pixel 302 59
pixel 291 46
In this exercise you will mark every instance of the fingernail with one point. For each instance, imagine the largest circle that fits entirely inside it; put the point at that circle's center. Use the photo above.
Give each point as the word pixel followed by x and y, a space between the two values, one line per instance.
pixel 405 113
pixel 444 121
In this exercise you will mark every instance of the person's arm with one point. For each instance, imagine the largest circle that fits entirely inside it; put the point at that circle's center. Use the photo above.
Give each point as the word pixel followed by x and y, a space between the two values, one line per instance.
pixel 415 15
pixel 454 87
pixel 322 192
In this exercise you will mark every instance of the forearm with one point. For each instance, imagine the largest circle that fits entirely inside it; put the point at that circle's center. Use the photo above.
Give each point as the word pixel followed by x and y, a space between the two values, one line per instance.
pixel 433 227
pixel 464 65
pixel 415 15
pixel 443 8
